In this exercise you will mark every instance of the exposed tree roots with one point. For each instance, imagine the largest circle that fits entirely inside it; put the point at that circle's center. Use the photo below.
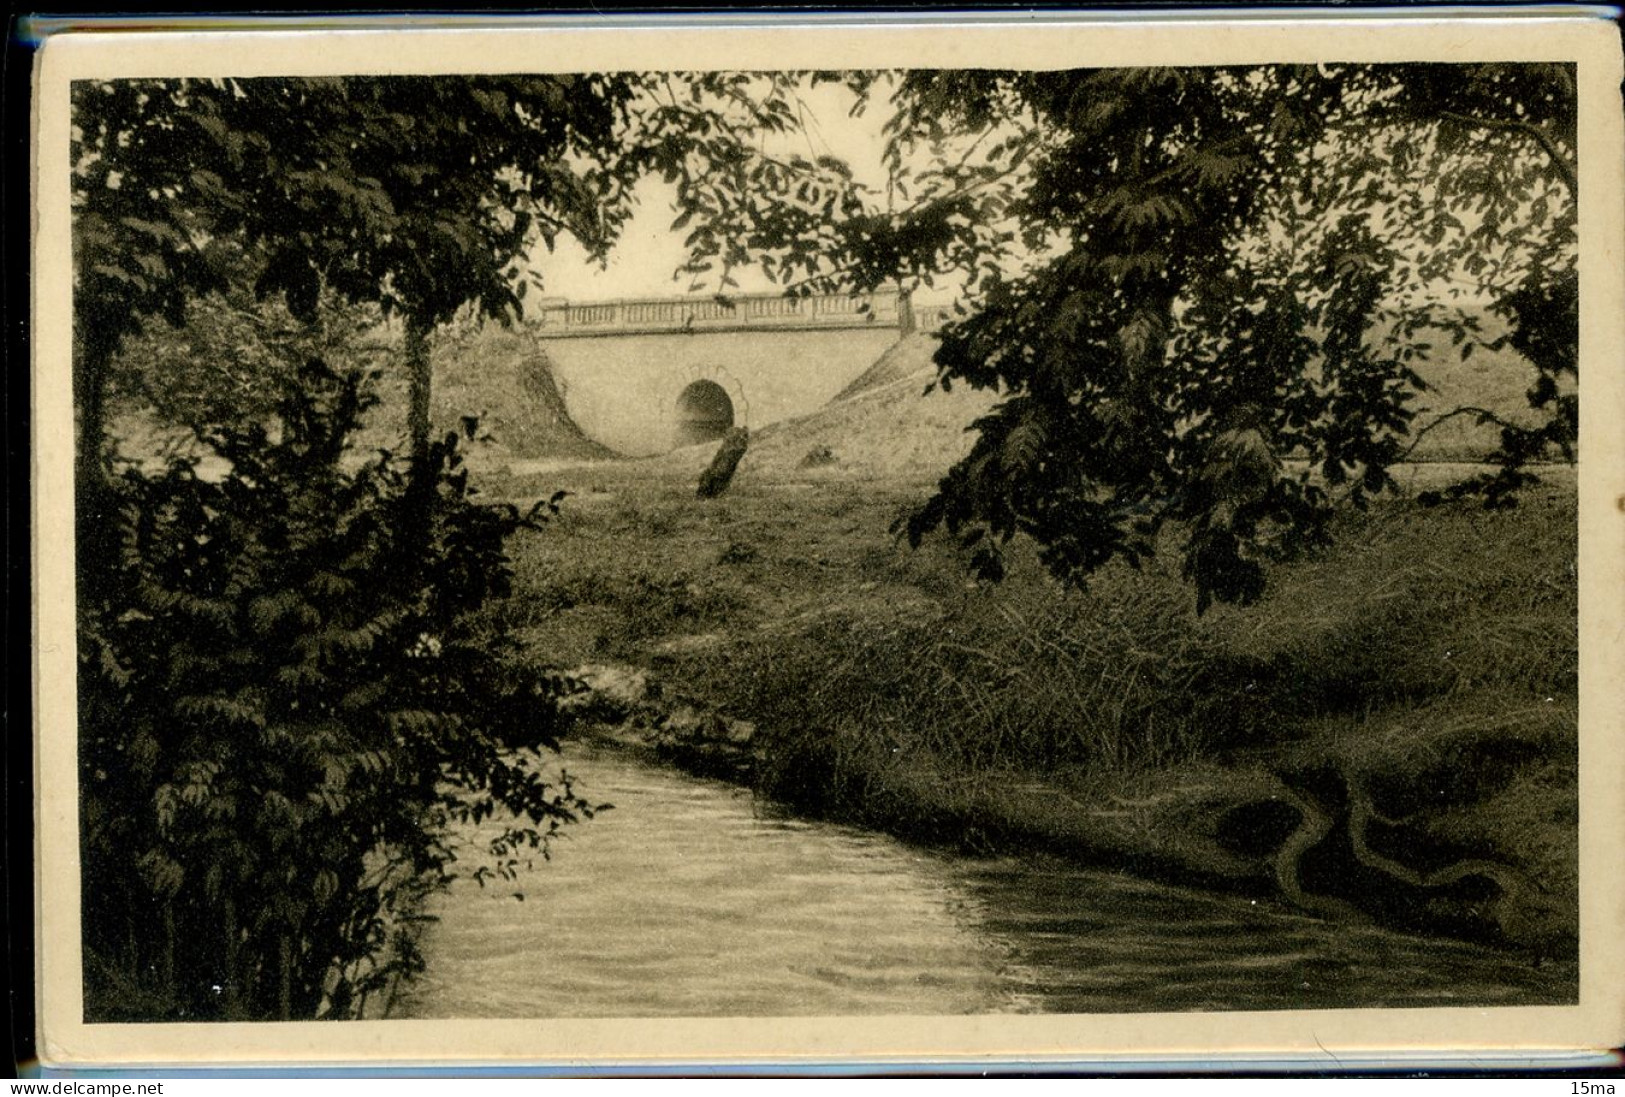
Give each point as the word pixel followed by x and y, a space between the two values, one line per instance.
pixel 1314 827
pixel 1512 885
pixel 1336 832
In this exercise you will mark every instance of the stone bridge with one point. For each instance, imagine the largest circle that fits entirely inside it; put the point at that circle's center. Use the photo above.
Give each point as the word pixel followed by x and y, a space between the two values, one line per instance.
pixel 646 375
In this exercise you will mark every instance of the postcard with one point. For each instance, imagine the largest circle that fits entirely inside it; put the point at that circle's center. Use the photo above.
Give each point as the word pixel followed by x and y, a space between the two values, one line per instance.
pixel 1056 541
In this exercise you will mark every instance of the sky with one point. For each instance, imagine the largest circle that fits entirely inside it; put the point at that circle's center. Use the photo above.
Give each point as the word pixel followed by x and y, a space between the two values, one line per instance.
pixel 648 254
pixel 645 261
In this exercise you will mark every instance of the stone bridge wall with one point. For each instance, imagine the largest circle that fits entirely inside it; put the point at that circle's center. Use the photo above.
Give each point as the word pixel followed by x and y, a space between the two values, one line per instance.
pixel 623 366
pixel 624 391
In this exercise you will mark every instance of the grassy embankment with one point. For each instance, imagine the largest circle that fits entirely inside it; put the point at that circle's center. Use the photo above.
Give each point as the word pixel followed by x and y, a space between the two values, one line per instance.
pixel 1392 729
pixel 498 375
pixel 1391 733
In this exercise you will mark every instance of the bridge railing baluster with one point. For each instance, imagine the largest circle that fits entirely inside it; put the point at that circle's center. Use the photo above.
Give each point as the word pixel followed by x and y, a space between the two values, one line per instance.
pixel 826 310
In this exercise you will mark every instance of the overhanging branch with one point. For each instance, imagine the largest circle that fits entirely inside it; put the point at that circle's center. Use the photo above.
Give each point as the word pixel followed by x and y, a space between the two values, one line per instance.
pixel 1559 160
pixel 1484 416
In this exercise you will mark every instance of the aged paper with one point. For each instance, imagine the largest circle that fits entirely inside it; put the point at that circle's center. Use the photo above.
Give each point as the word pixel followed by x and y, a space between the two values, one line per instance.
pixel 1317 1036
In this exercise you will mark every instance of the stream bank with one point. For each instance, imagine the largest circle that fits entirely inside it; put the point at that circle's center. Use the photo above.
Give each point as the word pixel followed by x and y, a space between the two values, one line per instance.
pixel 1304 830
pixel 697 898
pixel 1390 734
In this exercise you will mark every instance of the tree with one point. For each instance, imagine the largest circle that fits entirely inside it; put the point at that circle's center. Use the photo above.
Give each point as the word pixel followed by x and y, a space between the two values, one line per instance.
pixel 285 692
pixel 137 253
pixel 287 699
pixel 1201 293
pixel 417 193
pixel 420 194
pixel 280 814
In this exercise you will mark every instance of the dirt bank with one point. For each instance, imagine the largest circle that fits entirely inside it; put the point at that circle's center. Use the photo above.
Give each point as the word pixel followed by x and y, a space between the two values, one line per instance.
pixel 1389 734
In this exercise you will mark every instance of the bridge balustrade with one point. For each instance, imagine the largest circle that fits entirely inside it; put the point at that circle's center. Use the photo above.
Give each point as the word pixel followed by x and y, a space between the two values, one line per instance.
pixel 742 312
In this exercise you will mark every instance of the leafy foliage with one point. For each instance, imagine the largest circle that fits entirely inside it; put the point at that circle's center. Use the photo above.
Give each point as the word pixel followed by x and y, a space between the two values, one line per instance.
pixel 1201 293
pixel 284 707
pixel 418 194
pixel 740 202
pixel 236 356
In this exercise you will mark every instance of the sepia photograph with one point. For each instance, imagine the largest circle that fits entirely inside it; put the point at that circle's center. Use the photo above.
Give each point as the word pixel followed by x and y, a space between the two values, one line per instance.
pixel 1050 542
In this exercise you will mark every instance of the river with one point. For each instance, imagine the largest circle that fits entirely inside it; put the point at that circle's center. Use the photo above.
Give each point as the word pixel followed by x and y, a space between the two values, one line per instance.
pixel 691 898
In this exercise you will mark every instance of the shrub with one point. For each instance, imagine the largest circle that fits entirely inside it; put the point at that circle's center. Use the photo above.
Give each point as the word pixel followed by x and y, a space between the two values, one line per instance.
pixel 284 710
pixel 235 356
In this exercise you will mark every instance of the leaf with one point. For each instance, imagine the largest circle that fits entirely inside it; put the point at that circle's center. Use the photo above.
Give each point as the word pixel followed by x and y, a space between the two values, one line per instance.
pixel 1023 447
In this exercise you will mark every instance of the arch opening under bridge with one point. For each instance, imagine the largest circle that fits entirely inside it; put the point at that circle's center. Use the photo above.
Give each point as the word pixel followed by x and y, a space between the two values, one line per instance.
pixel 631 370
pixel 704 413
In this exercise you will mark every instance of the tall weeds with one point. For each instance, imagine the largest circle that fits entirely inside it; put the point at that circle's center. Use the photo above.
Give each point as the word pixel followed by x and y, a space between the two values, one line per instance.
pixel 1027 678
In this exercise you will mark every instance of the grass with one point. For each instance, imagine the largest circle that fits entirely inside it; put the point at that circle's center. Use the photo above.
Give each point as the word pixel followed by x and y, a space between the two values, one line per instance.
pixel 1427 661
pixel 1422 672
pixel 500 376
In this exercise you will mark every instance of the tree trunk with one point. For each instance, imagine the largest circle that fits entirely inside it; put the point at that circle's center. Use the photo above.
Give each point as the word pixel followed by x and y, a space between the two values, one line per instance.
pixel 421 477
pixel 90 395
pixel 285 977
pixel 233 989
pixel 905 313
pixel 169 952
pixel 715 480
pixel 94 533
pixel 421 376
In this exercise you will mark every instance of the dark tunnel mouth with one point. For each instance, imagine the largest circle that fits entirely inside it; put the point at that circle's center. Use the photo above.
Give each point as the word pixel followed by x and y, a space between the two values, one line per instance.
pixel 704 413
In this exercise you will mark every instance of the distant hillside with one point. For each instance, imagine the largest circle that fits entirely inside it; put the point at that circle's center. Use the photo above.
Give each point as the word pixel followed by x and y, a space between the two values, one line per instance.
pixel 908 357
pixel 885 423
pixel 891 420
pixel 1497 381
pixel 893 423
pixel 499 375
pixel 502 376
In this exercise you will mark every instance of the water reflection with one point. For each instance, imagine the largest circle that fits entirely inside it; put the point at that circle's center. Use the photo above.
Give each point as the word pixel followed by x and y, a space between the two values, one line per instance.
pixel 1079 941
pixel 686 900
